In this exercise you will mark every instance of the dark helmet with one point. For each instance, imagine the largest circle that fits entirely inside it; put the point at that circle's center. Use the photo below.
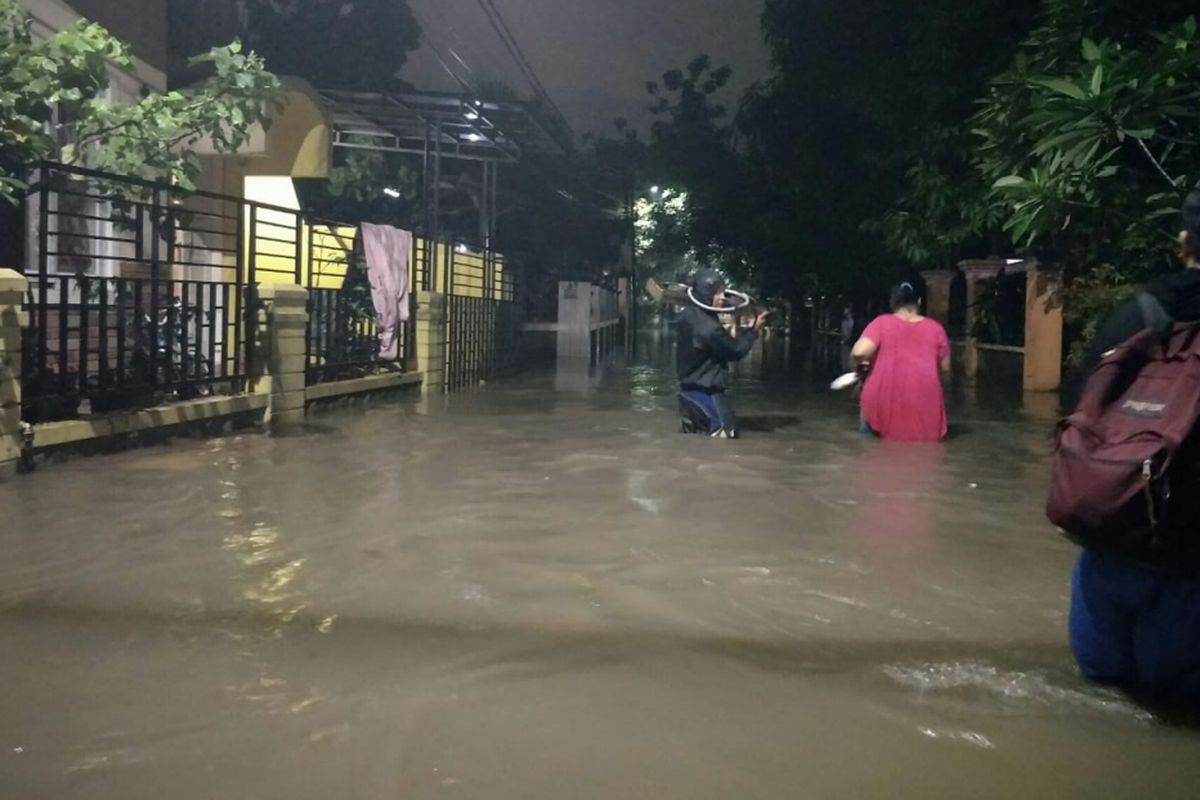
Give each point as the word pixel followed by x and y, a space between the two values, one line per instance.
pixel 705 285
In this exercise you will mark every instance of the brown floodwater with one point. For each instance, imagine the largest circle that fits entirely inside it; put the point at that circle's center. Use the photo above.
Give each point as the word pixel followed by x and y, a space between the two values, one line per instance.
pixel 540 590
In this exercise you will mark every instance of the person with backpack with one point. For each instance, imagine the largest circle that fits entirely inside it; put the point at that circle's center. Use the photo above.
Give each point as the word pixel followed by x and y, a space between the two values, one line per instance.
pixel 1126 486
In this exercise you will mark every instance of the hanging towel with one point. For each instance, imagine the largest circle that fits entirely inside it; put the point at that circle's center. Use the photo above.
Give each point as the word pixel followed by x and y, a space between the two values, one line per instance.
pixel 386 250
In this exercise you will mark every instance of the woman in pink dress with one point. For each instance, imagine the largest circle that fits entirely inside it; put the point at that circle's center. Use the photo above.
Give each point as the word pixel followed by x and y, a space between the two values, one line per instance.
pixel 902 398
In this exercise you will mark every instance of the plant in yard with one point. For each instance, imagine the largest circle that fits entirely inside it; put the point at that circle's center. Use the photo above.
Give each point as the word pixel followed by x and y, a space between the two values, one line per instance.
pixel 53 106
pixel 1089 153
pixel 1087 300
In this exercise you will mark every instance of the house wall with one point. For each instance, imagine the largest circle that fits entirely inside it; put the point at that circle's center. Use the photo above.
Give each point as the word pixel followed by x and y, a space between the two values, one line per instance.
pixel 142 23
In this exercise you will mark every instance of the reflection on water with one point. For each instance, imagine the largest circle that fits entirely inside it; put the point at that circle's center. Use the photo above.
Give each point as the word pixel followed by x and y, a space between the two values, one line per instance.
pixel 895 491
pixel 541 591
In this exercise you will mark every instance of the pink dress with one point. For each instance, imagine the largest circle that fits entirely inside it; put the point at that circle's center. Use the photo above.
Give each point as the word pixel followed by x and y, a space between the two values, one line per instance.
pixel 902 398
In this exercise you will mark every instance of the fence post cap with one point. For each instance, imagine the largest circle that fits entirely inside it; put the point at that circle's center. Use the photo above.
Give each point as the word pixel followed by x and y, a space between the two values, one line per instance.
pixel 12 281
pixel 937 275
pixel 982 267
pixel 282 291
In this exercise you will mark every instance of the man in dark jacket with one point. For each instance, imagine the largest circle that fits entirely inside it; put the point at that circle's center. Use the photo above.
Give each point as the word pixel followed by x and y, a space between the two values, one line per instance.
pixel 703 352
pixel 1131 625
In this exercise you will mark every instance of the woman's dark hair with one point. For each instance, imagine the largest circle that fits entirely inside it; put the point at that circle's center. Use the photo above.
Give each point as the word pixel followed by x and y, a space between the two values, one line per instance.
pixel 904 294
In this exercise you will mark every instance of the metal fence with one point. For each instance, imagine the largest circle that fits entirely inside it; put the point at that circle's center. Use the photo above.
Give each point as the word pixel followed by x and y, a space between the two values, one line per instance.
pixel 483 319
pixel 142 293
pixel 138 293
pixel 343 331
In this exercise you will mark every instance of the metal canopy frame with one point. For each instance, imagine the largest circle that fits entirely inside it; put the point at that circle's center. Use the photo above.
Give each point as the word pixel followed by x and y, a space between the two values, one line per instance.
pixel 461 127
pixel 436 127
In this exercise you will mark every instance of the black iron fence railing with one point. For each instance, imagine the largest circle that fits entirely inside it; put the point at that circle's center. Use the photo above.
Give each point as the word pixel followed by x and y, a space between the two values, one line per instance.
pixel 139 293
pixel 102 344
pixel 343 338
pixel 483 319
pixel 142 293
pixel 343 330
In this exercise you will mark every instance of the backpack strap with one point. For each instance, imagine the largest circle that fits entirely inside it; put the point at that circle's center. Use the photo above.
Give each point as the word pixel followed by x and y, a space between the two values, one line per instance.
pixel 1154 316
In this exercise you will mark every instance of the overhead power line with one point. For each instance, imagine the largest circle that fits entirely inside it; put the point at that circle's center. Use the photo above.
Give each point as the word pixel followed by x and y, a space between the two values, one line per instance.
pixel 500 26
pixel 462 81
pixel 513 48
pixel 455 46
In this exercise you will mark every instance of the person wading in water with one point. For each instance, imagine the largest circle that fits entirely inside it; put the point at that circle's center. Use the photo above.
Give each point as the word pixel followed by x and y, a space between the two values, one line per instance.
pixel 902 398
pixel 703 352
pixel 1135 618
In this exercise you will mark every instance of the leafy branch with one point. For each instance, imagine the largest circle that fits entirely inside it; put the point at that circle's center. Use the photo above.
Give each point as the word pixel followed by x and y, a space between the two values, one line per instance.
pixel 66 77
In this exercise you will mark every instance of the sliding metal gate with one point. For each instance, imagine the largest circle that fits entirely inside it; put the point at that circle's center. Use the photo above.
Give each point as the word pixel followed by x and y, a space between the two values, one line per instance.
pixel 483 322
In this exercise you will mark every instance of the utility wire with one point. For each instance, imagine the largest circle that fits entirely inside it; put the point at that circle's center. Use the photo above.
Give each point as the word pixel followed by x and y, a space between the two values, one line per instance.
pixel 436 51
pixel 490 56
pixel 508 40
pixel 496 19
pixel 500 26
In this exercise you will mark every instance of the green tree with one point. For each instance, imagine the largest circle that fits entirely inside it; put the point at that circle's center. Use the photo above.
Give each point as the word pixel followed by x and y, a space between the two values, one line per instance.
pixel 367 186
pixel 64 78
pixel 950 51
pixel 334 44
pixel 1089 150
pixel 859 153
pixel 1078 153
pixel 699 216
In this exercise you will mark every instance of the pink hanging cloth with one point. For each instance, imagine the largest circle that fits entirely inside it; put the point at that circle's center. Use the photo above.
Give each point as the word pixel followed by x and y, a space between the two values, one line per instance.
pixel 386 250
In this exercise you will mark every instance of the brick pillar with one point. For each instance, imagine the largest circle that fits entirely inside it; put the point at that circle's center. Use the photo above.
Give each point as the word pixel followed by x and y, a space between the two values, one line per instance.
pixel 977 272
pixel 283 320
pixel 430 328
pixel 937 293
pixel 1043 331
pixel 12 320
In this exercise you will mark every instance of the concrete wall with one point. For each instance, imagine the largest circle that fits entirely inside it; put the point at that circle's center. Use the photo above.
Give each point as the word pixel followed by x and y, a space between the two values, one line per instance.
pixel 142 23
pixel 587 320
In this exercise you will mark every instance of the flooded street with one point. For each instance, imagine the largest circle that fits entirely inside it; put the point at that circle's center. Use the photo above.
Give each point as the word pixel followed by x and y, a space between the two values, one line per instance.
pixel 541 590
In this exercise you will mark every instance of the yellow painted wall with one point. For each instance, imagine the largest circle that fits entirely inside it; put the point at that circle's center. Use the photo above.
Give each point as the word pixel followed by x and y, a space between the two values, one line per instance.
pixel 298 145
pixel 271 233
pixel 274 246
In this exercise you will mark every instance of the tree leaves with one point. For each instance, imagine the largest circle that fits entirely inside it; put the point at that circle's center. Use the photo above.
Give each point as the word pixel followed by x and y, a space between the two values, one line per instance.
pixel 1062 86
pixel 319 40
pixel 1091 133
pixel 1010 182
pixel 150 138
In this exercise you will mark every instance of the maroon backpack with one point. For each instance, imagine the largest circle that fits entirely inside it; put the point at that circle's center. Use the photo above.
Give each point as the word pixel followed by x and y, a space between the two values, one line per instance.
pixel 1126 478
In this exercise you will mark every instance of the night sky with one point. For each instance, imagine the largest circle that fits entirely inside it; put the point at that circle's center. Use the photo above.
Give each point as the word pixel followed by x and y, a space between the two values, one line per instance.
pixel 593 56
